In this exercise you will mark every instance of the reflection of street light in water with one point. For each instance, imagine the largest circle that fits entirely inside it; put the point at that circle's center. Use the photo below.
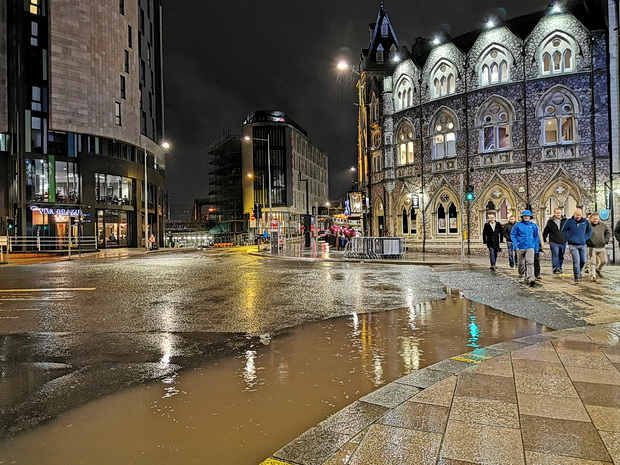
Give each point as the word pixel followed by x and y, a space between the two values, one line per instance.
pixel 249 371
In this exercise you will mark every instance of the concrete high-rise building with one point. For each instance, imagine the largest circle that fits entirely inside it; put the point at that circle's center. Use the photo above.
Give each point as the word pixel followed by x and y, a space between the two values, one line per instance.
pixel 81 114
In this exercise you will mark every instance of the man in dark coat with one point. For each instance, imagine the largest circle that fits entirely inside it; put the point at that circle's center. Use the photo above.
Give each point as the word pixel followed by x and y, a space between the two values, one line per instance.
pixel 492 237
pixel 557 241
pixel 512 251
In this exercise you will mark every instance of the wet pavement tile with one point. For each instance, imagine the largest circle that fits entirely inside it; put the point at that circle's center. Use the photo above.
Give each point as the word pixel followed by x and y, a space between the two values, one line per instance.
pixel 424 378
pixel 604 395
pixel 499 366
pixel 612 353
pixel 509 346
pixel 444 461
pixel 452 366
pixel 538 458
pixel 604 337
pixel 491 445
pixel 563 437
pixel 313 447
pixel 591 375
pixel 354 418
pixel 605 418
pixel 388 445
pixel 391 395
pixel 485 412
pixel 538 367
pixel 538 338
pixel 568 346
pixel 561 408
pixel 418 416
pixel 440 393
pixel 612 441
pixel 551 385
pixel 486 387
pixel 543 352
pixel 599 362
pixel 343 455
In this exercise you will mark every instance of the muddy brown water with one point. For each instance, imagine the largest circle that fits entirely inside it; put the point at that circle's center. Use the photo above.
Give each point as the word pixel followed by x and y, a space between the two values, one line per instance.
pixel 240 409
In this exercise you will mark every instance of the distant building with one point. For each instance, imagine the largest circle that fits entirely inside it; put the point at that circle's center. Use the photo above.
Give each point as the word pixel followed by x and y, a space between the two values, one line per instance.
pixel 225 183
pixel 289 158
pixel 81 108
pixel 518 113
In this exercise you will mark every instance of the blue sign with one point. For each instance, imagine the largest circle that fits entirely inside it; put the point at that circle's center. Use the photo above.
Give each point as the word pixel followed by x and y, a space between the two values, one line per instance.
pixel 604 214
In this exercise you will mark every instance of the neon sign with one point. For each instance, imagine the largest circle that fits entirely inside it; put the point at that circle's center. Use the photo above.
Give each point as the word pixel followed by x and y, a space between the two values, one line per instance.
pixel 58 211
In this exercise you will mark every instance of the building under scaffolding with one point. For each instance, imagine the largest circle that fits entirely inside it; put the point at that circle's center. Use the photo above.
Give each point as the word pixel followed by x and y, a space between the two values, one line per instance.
pixel 225 190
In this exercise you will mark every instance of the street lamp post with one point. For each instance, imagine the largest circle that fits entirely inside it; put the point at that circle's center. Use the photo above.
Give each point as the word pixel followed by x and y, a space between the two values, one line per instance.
pixel 262 183
pixel 166 146
pixel 307 221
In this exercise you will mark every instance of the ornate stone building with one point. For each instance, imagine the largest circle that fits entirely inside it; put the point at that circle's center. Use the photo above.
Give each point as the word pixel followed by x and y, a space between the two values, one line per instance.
pixel 517 112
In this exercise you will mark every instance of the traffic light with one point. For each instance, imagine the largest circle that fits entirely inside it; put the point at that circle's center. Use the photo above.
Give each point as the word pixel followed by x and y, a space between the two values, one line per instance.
pixel 469 195
pixel 259 211
pixel 9 224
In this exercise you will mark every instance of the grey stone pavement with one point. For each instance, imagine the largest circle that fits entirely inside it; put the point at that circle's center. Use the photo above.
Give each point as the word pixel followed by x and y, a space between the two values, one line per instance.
pixel 549 399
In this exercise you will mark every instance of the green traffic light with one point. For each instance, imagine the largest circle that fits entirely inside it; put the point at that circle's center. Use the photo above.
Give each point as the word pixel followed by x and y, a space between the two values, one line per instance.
pixel 469 196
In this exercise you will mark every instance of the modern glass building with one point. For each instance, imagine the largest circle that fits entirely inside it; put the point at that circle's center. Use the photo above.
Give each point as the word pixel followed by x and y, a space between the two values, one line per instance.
pixel 81 122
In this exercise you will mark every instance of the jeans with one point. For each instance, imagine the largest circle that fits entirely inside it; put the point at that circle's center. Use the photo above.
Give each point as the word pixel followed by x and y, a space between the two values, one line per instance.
pixel 512 253
pixel 578 252
pixel 557 255
pixel 492 255
pixel 526 263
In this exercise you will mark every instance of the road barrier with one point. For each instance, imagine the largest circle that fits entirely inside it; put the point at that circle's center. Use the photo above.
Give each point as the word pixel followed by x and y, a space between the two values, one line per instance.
pixel 51 243
pixel 375 247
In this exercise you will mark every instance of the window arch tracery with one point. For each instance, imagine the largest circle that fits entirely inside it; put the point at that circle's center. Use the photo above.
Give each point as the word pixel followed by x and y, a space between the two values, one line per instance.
pixel 557 54
pixel 403 97
pixel 557 112
pixel 495 119
pixel 405 138
pixel 494 66
pixel 444 127
pixel 443 79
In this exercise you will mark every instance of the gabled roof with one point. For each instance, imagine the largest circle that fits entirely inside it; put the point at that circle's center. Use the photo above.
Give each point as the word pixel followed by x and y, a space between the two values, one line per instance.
pixel 377 39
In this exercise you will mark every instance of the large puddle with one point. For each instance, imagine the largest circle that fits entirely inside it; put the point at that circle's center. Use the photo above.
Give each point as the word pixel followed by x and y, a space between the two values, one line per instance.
pixel 240 409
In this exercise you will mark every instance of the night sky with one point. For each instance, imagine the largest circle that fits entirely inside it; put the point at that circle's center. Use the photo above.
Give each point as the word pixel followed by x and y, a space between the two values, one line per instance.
pixel 226 58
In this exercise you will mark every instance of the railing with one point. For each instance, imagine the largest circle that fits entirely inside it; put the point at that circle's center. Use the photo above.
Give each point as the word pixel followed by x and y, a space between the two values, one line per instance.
pixel 375 247
pixel 51 243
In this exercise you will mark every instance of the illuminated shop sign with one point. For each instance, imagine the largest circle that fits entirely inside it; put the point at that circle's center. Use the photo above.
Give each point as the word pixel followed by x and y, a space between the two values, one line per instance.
pixel 57 211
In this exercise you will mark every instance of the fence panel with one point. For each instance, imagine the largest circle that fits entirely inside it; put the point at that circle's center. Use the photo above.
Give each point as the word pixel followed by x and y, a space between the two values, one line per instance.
pixel 375 247
pixel 51 243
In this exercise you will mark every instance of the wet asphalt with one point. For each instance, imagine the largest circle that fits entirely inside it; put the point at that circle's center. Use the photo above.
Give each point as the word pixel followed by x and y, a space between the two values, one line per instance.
pixel 106 324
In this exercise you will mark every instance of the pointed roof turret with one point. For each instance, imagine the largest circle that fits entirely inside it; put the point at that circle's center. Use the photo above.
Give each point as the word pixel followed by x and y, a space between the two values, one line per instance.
pixel 382 40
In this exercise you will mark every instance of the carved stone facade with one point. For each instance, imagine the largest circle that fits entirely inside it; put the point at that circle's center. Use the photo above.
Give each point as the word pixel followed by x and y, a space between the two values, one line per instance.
pixel 525 122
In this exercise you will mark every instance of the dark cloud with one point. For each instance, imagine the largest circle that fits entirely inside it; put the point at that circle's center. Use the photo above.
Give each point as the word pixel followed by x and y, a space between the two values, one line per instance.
pixel 226 58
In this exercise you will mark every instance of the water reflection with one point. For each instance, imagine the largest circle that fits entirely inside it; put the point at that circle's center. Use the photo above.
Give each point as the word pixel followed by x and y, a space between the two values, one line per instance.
pixel 239 410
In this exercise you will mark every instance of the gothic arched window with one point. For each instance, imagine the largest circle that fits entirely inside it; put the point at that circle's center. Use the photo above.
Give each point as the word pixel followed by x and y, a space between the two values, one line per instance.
pixel 494 67
pixel 444 135
pixel 405 144
pixel 495 117
pixel 404 95
pixel 443 79
pixel 557 112
pixel 557 54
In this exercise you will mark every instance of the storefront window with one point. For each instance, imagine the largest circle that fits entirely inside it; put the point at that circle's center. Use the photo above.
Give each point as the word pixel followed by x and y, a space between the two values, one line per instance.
pixel 113 190
pixel 37 180
pixel 113 228
pixel 67 186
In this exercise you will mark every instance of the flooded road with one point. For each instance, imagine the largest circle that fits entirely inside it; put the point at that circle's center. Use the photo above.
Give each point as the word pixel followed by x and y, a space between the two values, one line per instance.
pixel 240 408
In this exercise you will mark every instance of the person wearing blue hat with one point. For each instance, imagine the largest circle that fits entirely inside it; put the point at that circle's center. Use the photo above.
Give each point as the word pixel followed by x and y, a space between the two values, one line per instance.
pixel 577 231
pixel 526 239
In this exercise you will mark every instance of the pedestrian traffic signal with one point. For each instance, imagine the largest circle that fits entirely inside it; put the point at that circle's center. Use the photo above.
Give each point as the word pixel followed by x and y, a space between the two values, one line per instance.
pixel 9 224
pixel 469 195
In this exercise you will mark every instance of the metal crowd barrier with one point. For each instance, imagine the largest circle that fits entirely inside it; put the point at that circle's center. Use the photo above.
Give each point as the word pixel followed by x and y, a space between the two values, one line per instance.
pixel 51 243
pixel 375 247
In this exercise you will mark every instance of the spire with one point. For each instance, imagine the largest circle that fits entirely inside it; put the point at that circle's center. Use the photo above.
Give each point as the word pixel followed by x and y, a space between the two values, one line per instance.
pixel 383 36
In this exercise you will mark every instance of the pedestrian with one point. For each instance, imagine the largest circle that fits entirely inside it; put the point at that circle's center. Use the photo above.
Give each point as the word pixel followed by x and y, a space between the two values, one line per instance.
pixel 577 231
pixel 506 230
pixel 492 238
pixel 617 231
pixel 526 239
pixel 557 241
pixel 597 253
pixel 537 262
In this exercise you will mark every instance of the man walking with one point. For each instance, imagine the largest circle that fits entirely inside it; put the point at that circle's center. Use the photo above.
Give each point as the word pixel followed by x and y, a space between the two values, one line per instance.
pixel 596 246
pixel 525 237
pixel 506 230
pixel 577 231
pixel 492 237
pixel 557 241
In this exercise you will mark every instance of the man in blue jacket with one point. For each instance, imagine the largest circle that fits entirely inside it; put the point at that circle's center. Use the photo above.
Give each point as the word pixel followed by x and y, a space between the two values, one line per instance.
pixel 577 231
pixel 525 237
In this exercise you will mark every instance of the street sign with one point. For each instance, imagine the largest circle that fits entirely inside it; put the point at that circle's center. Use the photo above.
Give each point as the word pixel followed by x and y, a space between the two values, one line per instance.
pixel 415 201
pixel 604 214
pixel 274 224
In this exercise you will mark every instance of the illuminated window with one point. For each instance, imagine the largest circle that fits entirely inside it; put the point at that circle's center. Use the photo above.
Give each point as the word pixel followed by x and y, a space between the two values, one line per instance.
pixel 117 113
pixel 494 66
pixel 444 136
pixel 494 119
pixel 36 7
pixel 557 114
pixel 557 54
pixel 443 79
pixel 403 97
pixel 405 144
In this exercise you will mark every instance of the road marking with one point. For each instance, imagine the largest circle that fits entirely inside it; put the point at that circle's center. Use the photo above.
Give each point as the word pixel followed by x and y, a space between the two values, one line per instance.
pixel 9 299
pixel 59 289
pixel 463 359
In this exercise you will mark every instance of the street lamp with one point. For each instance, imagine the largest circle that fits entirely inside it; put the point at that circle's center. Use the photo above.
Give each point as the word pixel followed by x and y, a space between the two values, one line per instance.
pixel 307 221
pixel 262 183
pixel 165 145
pixel 248 138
